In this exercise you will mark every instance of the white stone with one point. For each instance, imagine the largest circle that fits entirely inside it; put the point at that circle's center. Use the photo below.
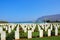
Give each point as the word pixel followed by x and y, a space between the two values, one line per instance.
pixel 34 26
pixel 29 34
pixel 13 27
pixel 9 30
pixel 49 32
pixel 43 26
pixel 51 26
pixel 6 28
pixel 16 34
pixel 56 31
pixel 41 33
pixel 17 28
pixel 3 35
pixel 39 28
pixel 1 29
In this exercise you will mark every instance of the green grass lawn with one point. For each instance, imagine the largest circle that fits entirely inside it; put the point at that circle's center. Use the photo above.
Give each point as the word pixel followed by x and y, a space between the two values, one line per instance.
pixel 46 38
pixel 35 34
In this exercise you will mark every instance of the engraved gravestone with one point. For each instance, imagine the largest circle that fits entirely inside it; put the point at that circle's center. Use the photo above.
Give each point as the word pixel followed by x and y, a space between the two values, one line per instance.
pixel 49 32
pixel 3 35
pixel 56 31
pixel 29 34
pixel 17 33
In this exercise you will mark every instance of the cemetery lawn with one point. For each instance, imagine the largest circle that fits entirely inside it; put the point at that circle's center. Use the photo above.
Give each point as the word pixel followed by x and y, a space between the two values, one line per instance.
pixel 36 37
pixel 46 38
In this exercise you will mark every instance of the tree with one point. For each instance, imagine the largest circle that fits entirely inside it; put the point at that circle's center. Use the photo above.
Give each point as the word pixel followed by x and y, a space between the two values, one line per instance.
pixel 47 21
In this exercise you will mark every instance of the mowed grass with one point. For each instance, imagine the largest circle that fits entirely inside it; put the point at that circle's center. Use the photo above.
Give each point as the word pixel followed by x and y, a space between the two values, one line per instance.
pixel 36 37
pixel 46 38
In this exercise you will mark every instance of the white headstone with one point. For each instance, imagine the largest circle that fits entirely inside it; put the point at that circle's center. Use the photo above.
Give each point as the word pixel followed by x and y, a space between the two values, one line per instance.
pixel 41 33
pixel 49 32
pixel 56 31
pixel 39 28
pixel 34 26
pixel 3 35
pixel 51 26
pixel 16 35
pixel 9 30
pixel 17 28
pixel 1 29
pixel 13 26
pixel 29 34
pixel 6 28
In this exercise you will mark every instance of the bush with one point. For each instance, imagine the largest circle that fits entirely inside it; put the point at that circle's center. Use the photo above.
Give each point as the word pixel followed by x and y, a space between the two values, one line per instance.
pixel 10 36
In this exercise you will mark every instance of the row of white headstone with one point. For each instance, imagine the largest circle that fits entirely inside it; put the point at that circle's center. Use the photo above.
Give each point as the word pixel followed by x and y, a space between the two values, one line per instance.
pixel 3 33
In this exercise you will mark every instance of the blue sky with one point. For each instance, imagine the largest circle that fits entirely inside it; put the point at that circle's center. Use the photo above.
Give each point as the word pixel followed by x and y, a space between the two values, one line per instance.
pixel 26 10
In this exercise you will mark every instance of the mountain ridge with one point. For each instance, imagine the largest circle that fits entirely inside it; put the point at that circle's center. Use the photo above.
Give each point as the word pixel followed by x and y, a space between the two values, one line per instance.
pixel 49 17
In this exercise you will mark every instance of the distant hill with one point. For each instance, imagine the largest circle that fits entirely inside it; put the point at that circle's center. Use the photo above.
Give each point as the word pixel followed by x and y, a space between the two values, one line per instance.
pixel 52 18
pixel 49 17
pixel 3 22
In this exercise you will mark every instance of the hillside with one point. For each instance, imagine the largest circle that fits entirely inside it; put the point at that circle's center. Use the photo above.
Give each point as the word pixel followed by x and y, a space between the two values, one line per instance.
pixel 49 17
